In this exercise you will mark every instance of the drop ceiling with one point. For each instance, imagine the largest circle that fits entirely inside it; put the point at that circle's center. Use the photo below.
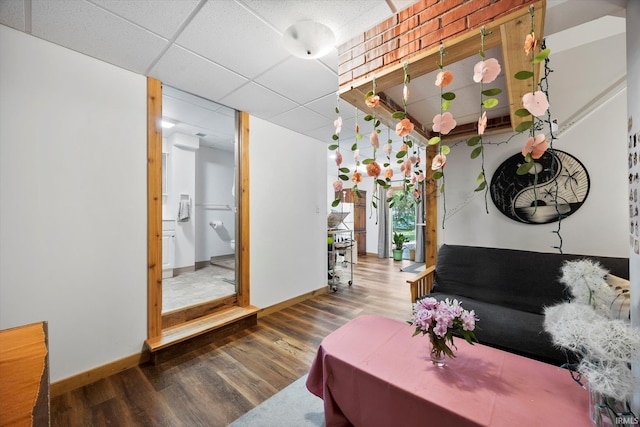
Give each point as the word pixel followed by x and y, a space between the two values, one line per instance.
pixel 231 52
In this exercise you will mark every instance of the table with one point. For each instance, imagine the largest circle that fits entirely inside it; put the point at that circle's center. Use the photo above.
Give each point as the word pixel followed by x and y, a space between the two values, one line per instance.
pixel 372 372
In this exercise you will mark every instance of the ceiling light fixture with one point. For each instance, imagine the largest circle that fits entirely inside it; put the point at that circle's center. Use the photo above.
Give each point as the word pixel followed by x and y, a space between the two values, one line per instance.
pixel 167 124
pixel 308 39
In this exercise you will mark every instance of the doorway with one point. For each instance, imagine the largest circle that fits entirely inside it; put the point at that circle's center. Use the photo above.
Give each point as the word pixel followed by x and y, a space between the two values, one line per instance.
pixel 403 221
pixel 156 322
pixel 198 201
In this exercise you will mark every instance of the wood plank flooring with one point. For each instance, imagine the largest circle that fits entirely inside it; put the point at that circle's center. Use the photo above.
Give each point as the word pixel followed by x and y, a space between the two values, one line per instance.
pixel 215 384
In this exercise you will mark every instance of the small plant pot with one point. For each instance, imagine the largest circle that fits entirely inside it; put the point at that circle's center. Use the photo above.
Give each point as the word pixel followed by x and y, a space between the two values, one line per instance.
pixel 397 254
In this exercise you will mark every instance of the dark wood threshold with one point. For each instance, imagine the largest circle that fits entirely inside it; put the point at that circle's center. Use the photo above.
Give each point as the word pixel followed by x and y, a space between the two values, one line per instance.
pixel 200 331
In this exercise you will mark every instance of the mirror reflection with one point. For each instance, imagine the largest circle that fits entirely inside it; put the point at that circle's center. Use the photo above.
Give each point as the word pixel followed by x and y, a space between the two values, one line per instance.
pixel 199 205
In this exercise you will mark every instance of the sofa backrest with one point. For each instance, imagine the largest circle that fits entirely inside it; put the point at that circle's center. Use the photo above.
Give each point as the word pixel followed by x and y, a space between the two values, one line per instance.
pixel 522 280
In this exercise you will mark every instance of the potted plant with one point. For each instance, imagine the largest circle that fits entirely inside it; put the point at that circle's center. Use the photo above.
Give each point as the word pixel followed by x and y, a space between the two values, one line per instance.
pixel 398 245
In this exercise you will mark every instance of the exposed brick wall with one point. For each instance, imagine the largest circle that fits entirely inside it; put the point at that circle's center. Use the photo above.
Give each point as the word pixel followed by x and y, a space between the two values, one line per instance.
pixel 421 26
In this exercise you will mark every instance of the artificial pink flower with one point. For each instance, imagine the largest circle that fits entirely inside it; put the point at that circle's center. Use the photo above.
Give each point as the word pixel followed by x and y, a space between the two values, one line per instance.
pixel 420 177
pixel 405 93
pixel 374 139
pixel 372 101
pixel 338 158
pixel 387 148
pixel 390 192
pixel 444 123
pixel 482 123
pixel 529 43
pixel 338 124
pixel 337 186
pixel 439 160
pixel 388 173
pixel 444 78
pixel 414 159
pixel 486 71
pixel 356 155
pixel 373 169
pixel 404 127
pixel 536 146
pixel 406 167
pixel 536 103
pixel 417 193
pixel 404 147
pixel 356 177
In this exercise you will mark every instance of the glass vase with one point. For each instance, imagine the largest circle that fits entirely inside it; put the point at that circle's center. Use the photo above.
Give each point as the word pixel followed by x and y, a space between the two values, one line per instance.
pixel 608 412
pixel 436 355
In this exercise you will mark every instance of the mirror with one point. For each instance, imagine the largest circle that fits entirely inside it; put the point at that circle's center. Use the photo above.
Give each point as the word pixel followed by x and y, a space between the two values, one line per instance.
pixel 199 204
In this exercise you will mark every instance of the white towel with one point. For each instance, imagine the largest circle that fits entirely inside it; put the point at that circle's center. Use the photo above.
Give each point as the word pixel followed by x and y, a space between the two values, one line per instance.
pixel 183 210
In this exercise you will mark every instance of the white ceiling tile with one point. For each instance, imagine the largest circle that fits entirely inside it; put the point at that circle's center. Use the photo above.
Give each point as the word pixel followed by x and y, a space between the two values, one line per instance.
pixel 258 101
pixel 300 79
pixel 345 17
pixel 326 106
pixel 88 29
pixel 330 60
pixel 161 17
pixel 229 35
pixel 192 73
pixel 300 119
pixel 12 14
pixel 323 134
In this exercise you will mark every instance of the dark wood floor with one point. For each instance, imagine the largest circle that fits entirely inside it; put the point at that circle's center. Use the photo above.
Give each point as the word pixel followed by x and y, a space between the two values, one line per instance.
pixel 217 383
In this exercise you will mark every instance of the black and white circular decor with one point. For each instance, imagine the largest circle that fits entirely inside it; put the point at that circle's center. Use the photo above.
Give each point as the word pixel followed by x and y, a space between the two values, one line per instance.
pixel 561 188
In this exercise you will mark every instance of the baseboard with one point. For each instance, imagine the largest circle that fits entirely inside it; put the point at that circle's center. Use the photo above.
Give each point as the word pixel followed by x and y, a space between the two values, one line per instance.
pixel 88 377
pixel 284 304
pixel 96 374
pixel 180 270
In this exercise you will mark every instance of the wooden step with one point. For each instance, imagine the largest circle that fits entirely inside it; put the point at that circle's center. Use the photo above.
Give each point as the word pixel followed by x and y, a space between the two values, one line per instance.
pixel 202 325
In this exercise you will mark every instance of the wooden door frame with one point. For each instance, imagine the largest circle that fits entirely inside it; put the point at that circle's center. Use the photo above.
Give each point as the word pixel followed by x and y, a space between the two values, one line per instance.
pixel 154 209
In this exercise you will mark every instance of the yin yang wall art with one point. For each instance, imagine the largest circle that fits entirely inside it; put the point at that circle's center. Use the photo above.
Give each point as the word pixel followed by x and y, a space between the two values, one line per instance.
pixel 561 188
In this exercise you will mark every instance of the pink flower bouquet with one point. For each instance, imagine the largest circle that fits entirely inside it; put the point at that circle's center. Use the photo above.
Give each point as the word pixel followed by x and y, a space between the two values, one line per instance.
pixel 441 320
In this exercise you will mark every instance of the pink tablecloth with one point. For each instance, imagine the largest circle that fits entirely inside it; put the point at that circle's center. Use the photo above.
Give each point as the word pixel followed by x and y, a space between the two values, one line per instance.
pixel 372 372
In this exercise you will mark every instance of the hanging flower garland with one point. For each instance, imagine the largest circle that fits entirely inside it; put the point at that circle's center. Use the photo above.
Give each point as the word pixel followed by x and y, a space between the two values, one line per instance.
pixel 372 100
pixel 485 71
pixel 544 87
pixel 337 184
pixel 536 105
pixel 408 157
pixel 356 176
pixel 443 123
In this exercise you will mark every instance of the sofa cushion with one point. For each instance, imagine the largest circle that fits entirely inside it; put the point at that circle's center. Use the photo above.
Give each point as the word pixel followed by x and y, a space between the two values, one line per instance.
pixel 521 280
pixel 511 330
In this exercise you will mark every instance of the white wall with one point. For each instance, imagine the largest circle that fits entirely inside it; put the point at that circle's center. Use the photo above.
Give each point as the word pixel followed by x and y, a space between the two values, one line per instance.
pixel 183 182
pixel 214 181
pixel 600 226
pixel 73 205
pixel 288 214
pixel 633 114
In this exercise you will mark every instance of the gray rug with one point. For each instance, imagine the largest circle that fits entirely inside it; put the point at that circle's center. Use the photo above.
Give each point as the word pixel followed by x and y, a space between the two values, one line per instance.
pixel 293 406
pixel 416 268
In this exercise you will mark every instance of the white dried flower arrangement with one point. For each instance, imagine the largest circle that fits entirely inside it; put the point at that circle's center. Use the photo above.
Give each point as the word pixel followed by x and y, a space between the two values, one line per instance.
pixel 587 327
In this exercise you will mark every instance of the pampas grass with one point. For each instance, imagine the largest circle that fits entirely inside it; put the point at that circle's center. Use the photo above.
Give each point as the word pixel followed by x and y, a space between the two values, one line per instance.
pixel 587 327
